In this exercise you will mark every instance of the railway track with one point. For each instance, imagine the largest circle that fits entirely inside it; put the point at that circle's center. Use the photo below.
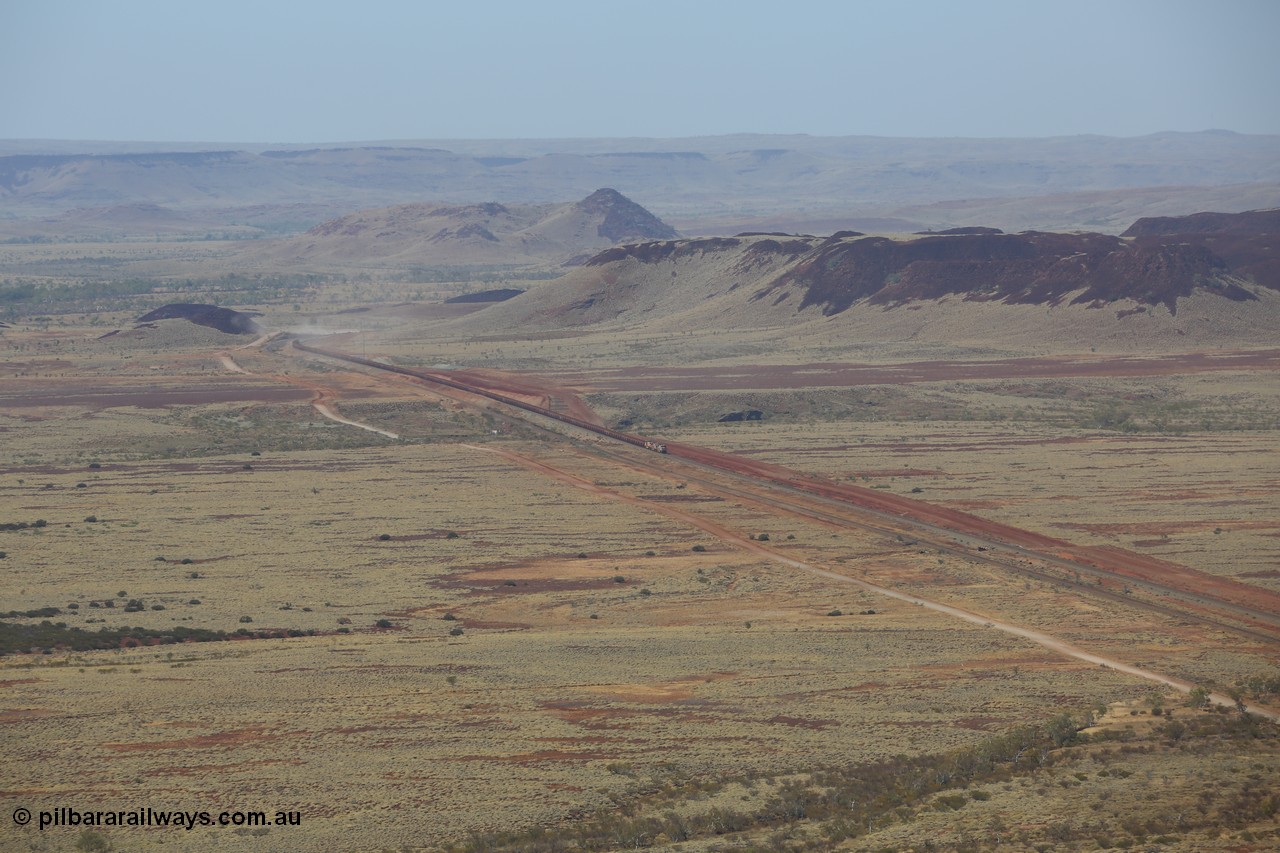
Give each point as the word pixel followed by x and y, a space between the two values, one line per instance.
pixel 946 543
pixel 1022 552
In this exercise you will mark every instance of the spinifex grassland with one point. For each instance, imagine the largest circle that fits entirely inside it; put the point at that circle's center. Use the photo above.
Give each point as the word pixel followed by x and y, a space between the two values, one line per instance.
pixel 496 630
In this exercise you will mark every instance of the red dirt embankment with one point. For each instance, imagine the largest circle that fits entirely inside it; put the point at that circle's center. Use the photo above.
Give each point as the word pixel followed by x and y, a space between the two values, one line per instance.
pixel 1114 560
pixel 838 375
pixel 531 389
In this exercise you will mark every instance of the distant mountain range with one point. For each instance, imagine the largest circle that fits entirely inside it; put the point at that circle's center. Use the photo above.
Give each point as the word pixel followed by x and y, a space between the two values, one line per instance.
pixel 700 185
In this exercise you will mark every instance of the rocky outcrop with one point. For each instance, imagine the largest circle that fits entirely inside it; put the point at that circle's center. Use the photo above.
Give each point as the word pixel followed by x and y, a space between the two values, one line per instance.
pixel 223 319
pixel 622 220
pixel 1029 268
pixel 1249 222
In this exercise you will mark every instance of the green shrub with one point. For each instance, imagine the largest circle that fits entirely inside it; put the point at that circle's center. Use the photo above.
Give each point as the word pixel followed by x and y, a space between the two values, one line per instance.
pixel 90 841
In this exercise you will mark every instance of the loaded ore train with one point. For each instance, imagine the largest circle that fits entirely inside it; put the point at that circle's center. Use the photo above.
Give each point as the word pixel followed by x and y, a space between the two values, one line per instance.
pixel 638 441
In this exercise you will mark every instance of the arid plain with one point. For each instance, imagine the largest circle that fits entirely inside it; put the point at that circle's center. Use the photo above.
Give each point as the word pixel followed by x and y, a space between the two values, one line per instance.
pixel 447 623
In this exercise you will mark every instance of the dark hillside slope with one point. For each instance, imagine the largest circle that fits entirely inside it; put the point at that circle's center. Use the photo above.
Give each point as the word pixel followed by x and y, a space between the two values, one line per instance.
pixel 1249 243
pixel 1031 268
pixel 1249 222
pixel 780 281
pixel 223 319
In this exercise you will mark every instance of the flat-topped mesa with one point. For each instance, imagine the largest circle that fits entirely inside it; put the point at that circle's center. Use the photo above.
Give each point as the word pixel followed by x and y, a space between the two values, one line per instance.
pixel 1030 268
pixel 1249 222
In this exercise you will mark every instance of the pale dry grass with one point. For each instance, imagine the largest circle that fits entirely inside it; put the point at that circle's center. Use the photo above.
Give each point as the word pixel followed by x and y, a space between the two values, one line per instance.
pixel 413 736
pixel 1210 501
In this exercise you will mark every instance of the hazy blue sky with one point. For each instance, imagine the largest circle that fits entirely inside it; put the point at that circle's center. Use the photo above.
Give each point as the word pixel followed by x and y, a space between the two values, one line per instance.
pixel 324 71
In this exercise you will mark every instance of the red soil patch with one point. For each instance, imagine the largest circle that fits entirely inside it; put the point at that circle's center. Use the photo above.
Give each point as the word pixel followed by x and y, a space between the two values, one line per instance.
pixel 148 397
pixel 843 375
pixel 1164 528
pixel 591 717
pixel 1124 563
pixel 13 681
pixel 22 715
pixel 236 737
pixel 681 498
pixel 531 389
pixel 201 769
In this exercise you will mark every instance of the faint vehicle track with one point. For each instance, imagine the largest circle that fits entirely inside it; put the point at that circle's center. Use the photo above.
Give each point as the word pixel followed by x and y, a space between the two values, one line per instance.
pixel 736 539
pixel 322 400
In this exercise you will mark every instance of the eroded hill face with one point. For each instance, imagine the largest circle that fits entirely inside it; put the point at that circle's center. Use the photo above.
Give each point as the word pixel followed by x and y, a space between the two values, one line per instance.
pixel 752 281
pixel 1248 243
pixel 1028 269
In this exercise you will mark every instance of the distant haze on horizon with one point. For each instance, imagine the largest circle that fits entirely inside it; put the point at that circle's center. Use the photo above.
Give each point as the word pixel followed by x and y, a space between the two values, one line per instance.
pixel 288 72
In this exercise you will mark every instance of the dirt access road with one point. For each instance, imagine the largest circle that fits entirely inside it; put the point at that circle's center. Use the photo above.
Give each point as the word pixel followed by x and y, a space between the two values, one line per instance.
pixel 1259 607
pixel 1262 605
pixel 322 398
pixel 737 540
